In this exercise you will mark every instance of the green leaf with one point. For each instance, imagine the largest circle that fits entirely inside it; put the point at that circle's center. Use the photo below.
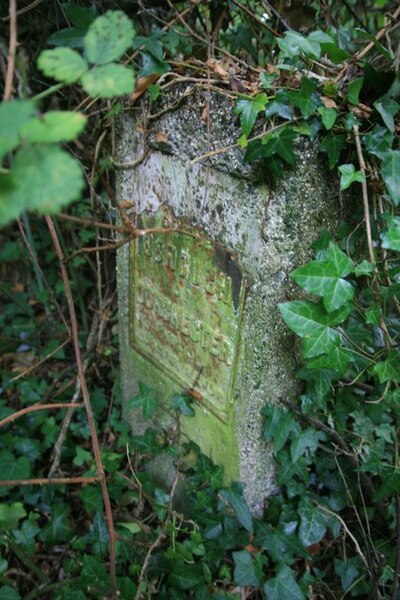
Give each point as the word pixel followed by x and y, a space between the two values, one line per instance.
pixel 328 116
pixel 82 457
pixel 238 503
pixel 109 36
pixel 98 535
pixel 54 126
pixel 391 175
pixel 108 81
pixel 313 523
pixel 93 570
pixel 364 268
pixel 248 109
pixel 9 593
pixel 353 90
pixel 184 576
pixel 332 145
pixel 387 108
pixel 389 369
pixel 25 535
pixel 62 64
pixel 13 116
pixel 145 399
pixel 338 360
pixel 348 570
pixel 280 143
pixel 70 37
pixel 293 44
pixel 14 468
pixel 325 278
pixel 281 109
pixel 349 175
pixel 244 573
pixel 132 527
pixel 391 237
pixel 391 484
pixel 305 99
pixel 379 141
pixel 311 322
pixel 42 178
pixel 308 440
pixel 279 425
pixel 79 16
pixel 152 66
pixel 284 586
pixel 58 529
pixel 182 403
pixel 10 514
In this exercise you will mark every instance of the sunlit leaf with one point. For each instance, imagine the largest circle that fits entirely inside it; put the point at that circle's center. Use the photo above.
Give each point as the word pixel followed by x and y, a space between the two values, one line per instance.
pixel 248 109
pixel 62 64
pixel 108 81
pixel 13 116
pixel 10 514
pixel 109 36
pixel 54 126
pixel 328 116
pixel 353 90
pixel 349 175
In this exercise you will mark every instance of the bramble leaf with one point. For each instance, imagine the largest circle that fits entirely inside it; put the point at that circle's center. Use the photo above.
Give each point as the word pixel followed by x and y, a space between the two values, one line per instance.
pixel 62 64
pixel 54 126
pixel 109 36
pixel 108 81
pixel 13 116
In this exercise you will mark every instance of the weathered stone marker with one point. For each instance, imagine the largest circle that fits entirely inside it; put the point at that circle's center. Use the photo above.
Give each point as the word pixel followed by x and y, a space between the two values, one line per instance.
pixel 198 296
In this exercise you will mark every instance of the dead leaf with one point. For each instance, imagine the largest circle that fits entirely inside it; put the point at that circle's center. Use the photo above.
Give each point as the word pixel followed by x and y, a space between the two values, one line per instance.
pixel 217 68
pixel 328 102
pixel 161 137
pixel 142 85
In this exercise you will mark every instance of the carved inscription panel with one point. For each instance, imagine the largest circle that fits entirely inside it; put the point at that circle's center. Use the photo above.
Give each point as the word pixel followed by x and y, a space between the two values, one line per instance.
pixel 187 297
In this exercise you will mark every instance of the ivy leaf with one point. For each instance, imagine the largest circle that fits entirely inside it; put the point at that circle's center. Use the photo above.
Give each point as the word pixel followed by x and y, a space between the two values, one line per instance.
pixel 293 44
pixel 364 268
pixel 183 404
pixel 313 524
pixel 305 99
pixel 25 535
pixel 325 278
pixel 353 90
pixel 58 529
pixel 79 16
pixel 279 424
pixel 184 576
pixel 379 141
pixel 152 66
pixel 244 573
pixel 42 178
pixel 284 585
pixel 280 108
pixel 348 570
pixel 389 369
pixel 108 37
pixel 307 440
pixel 349 175
pixel 311 322
pixel 387 108
pixel 248 109
pixel 14 468
pixel 338 360
pixel 238 503
pixel 391 237
pixel 328 116
pixel 13 116
pixel 10 514
pixel 391 483
pixel 280 143
pixel 93 570
pixel 391 175
pixel 9 593
pixel 98 535
pixel 145 399
pixel 108 81
pixel 62 64
pixel 332 145
pixel 54 126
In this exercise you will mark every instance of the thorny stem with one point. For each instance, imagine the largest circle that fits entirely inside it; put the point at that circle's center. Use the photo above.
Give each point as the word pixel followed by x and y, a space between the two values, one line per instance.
pixel 35 408
pixel 86 400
